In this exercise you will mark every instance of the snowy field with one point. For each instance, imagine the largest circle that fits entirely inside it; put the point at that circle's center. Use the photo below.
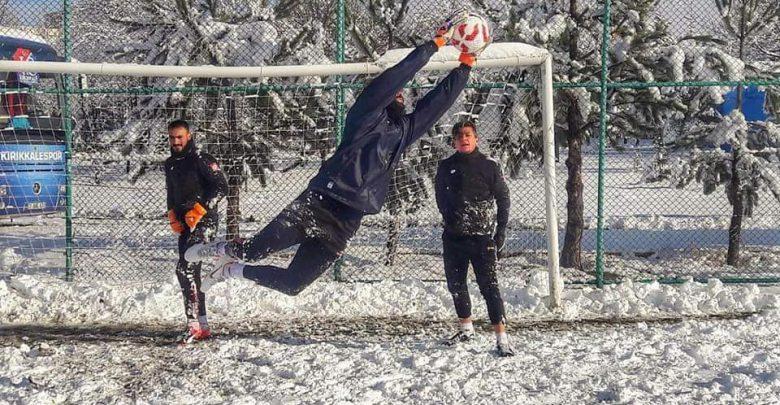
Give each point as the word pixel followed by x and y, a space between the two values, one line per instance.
pixel 381 343
pixel 99 341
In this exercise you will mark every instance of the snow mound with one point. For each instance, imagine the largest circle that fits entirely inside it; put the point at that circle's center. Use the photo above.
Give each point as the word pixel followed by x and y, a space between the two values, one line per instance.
pixel 41 299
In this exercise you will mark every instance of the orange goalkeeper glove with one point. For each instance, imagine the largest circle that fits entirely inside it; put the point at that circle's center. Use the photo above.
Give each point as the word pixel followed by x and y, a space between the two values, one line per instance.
pixel 467 59
pixel 193 216
pixel 176 226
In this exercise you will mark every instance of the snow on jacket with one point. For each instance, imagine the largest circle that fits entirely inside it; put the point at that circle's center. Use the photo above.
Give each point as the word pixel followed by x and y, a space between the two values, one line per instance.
pixel 467 185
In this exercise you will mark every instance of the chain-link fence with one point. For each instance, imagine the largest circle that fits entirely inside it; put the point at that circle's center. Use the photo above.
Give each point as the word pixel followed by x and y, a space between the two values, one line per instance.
pixel 648 177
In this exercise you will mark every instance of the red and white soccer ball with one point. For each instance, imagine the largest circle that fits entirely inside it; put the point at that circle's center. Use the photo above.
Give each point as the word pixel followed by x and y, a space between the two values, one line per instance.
pixel 472 35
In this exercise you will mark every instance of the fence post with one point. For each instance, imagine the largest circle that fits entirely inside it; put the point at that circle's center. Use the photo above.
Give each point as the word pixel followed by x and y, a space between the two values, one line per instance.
pixel 340 106
pixel 66 120
pixel 602 139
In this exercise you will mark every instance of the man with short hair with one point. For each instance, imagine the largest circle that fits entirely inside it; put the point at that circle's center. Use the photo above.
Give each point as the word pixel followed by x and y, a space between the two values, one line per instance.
pixel 469 186
pixel 195 185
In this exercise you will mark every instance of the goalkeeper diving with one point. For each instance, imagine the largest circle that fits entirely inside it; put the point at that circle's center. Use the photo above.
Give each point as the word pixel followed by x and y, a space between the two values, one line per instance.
pixel 350 184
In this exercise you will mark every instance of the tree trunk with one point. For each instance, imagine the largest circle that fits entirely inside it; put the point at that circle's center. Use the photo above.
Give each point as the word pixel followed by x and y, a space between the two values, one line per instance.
pixel 737 202
pixel 234 174
pixel 738 208
pixel 571 254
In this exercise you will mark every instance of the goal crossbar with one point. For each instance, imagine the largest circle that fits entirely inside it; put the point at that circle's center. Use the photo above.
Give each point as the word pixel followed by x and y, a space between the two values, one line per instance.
pixel 497 55
pixel 494 56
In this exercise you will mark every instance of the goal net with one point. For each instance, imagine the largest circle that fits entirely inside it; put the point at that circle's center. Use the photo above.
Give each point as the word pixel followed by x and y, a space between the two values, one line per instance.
pixel 101 213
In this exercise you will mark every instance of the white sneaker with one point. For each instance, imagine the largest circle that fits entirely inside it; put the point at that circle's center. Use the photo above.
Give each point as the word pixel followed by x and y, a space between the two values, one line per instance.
pixel 220 272
pixel 205 251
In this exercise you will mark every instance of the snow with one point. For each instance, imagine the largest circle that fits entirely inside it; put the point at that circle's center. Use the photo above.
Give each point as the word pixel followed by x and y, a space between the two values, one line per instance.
pixel 524 53
pixel 380 343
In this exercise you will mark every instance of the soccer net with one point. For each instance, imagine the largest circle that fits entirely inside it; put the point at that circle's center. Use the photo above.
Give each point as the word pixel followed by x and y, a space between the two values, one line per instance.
pixel 270 128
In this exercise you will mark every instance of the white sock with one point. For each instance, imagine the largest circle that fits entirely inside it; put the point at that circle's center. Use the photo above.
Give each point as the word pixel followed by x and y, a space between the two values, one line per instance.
pixel 235 270
pixel 467 328
pixel 502 338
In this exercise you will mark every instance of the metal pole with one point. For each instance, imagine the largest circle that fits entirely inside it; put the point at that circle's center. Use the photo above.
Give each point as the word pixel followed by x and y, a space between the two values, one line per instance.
pixel 66 120
pixel 548 123
pixel 340 106
pixel 602 141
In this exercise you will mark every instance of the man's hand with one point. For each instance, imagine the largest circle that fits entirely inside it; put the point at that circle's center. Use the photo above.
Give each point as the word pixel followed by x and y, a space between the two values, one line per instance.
pixel 499 238
pixel 193 216
pixel 176 226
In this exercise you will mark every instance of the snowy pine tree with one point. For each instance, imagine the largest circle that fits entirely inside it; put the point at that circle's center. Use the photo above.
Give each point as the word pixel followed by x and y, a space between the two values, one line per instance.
pixel 752 163
pixel 641 50
pixel 746 24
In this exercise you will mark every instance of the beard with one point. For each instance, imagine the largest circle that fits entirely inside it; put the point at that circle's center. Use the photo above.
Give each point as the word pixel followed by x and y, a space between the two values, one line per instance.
pixel 396 110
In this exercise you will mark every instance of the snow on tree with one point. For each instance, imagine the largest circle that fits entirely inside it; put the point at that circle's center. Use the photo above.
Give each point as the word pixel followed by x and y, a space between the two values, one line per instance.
pixel 240 131
pixel 727 55
pixel 753 157
pixel 642 50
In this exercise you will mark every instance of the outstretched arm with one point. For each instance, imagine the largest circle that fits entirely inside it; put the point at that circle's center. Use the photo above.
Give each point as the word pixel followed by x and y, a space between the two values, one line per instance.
pixel 431 107
pixel 381 91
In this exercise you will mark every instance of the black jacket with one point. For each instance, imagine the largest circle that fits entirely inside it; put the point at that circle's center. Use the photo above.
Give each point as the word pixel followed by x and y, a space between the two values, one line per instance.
pixel 358 174
pixel 192 176
pixel 466 187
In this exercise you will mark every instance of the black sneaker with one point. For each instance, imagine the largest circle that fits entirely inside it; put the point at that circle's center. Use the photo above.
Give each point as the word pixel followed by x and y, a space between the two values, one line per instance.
pixel 459 337
pixel 504 350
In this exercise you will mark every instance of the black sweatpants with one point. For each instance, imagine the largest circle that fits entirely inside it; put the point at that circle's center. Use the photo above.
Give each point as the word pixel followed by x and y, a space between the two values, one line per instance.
pixel 320 225
pixel 480 251
pixel 188 274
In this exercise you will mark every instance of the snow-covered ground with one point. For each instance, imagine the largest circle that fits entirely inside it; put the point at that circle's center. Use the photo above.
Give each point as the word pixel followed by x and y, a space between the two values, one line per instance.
pixel 381 343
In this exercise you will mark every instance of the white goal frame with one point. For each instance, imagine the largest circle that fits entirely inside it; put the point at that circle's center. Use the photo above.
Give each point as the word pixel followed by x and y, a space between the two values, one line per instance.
pixel 497 55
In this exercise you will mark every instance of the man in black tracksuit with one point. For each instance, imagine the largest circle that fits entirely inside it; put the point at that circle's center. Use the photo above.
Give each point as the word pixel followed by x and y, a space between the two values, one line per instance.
pixel 468 187
pixel 195 185
pixel 350 184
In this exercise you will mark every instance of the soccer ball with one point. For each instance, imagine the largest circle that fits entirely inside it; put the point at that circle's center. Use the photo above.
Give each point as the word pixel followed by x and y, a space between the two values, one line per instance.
pixel 471 35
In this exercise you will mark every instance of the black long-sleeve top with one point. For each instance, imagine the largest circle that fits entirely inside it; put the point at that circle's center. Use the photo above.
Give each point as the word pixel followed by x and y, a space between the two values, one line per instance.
pixel 192 176
pixel 466 187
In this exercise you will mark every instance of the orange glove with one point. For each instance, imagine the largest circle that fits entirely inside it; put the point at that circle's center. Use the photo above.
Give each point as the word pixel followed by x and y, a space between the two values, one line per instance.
pixel 467 59
pixel 176 226
pixel 193 216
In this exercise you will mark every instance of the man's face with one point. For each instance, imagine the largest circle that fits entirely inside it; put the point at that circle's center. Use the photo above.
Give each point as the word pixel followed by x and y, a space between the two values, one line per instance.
pixel 399 97
pixel 178 138
pixel 466 140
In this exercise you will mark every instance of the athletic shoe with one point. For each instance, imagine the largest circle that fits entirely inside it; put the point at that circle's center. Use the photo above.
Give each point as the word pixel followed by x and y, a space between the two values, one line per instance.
pixel 504 349
pixel 205 251
pixel 461 336
pixel 219 273
pixel 195 334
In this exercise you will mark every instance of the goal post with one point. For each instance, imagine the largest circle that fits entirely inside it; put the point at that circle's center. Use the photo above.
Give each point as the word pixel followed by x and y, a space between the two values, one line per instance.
pixel 495 56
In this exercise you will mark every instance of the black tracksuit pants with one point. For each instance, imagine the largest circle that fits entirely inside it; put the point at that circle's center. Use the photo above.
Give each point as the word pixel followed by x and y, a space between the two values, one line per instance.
pixel 480 251
pixel 188 274
pixel 320 225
